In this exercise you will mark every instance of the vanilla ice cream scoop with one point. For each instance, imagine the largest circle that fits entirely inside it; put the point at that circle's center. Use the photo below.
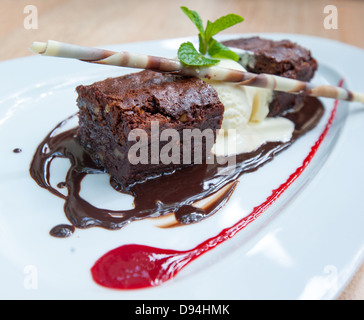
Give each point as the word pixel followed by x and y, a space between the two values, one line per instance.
pixel 245 124
pixel 242 104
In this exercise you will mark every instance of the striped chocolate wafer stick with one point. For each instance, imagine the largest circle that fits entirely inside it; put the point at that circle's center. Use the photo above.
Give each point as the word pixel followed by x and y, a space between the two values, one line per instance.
pixel 159 64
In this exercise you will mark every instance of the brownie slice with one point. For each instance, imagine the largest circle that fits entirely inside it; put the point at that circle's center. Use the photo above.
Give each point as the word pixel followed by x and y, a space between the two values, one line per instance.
pixel 110 110
pixel 283 58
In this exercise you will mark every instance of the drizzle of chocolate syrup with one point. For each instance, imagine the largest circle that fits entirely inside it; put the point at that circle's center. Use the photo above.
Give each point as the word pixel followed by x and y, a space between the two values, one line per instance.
pixel 171 193
pixel 135 266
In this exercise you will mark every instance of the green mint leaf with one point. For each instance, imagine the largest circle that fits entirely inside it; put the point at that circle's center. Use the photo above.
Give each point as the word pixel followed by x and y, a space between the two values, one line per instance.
pixel 221 24
pixel 218 50
pixel 195 18
pixel 188 55
pixel 202 44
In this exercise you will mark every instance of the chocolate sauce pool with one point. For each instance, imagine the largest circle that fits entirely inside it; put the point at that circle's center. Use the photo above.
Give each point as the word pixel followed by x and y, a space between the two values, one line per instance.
pixel 171 193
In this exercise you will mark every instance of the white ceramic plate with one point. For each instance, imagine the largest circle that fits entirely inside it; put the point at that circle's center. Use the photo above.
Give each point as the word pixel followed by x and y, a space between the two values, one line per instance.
pixel 306 246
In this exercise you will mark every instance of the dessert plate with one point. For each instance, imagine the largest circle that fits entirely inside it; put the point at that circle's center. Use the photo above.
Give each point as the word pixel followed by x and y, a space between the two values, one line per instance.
pixel 306 245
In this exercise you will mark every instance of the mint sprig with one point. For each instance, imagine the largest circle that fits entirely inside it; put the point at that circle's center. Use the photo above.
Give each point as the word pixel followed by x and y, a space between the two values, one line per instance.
pixel 188 55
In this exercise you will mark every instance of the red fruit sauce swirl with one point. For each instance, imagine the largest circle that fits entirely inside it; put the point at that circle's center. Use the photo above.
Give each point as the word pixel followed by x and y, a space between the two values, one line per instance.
pixel 136 266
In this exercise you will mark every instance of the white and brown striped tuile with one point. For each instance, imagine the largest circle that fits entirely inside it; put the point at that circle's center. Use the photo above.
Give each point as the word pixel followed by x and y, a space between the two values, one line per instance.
pixel 160 64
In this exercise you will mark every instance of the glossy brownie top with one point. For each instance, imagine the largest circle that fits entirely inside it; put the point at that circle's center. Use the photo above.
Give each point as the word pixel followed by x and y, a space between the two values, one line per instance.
pixel 147 91
pixel 283 58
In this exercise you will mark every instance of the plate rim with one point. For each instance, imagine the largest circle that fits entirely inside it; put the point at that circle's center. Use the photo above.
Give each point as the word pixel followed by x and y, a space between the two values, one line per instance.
pixel 335 42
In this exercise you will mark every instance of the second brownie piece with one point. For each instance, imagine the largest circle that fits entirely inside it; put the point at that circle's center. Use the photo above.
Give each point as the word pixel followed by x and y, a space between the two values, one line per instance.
pixel 109 110
pixel 282 58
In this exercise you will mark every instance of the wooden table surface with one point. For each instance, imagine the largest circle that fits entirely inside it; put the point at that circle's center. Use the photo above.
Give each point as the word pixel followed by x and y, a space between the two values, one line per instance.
pixel 97 23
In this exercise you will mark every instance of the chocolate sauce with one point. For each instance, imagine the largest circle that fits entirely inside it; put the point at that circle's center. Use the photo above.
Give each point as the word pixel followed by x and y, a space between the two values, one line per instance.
pixel 61 185
pixel 62 231
pixel 170 193
pixel 136 266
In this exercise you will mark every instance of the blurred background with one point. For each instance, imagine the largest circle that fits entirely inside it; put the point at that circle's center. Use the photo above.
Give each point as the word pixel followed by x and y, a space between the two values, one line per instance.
pixel 95 22
pixel 98 23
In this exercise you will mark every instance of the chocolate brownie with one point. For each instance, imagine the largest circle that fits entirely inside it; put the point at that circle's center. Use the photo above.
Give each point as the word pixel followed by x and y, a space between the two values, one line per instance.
pixel 110 110
pixel 283 58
